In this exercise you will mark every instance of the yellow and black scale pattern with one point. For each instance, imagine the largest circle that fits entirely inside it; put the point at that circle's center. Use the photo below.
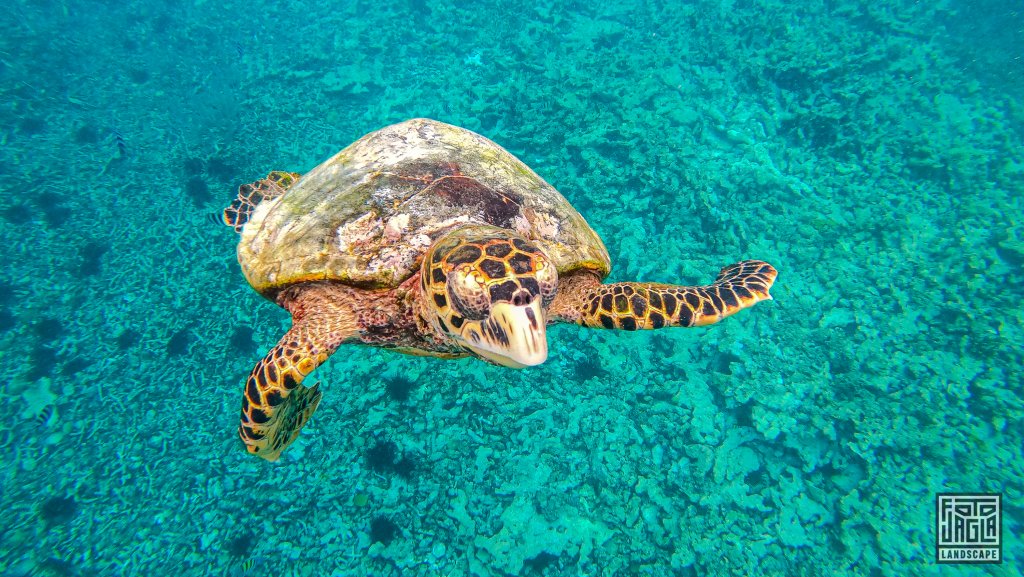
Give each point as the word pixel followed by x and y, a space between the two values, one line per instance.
pixel 509 268
pixel 249 195
pixel 276 405
pixel 632 305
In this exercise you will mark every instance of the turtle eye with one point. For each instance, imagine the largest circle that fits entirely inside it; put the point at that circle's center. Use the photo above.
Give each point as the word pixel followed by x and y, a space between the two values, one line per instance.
pixel 468 294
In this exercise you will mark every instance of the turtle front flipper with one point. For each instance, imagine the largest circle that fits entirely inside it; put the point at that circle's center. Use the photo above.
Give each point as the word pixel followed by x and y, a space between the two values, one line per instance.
pixel 276 404
pixel 631 305
pixel 249 195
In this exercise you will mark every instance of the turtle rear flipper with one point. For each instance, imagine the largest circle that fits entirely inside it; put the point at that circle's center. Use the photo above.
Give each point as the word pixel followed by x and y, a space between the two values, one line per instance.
pixel 275 405
pixel 632 305
pixel 249 195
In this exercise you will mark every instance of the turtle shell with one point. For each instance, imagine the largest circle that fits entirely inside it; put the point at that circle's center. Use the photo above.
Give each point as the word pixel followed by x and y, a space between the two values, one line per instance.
pixel 367 215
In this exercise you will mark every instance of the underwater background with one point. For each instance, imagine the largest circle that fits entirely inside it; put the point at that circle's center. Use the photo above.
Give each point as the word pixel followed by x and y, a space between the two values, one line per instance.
pixel 873 152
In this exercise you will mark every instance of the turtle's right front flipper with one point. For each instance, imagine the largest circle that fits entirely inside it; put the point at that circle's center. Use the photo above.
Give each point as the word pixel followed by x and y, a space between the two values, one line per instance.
pixel 276 404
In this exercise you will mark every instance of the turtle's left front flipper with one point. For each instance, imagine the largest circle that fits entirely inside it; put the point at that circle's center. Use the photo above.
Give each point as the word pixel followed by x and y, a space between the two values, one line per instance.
pixel 633 305
pixel 276 404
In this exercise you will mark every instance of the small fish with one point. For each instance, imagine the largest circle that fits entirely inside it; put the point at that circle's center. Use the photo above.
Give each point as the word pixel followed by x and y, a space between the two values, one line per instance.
pixel 44 416
pixel 122 145
pixel 248 567
pixel 240 49
pixel 215 217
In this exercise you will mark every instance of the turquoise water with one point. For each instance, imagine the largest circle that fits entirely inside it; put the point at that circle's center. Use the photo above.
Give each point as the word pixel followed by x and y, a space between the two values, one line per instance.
pixel 874 153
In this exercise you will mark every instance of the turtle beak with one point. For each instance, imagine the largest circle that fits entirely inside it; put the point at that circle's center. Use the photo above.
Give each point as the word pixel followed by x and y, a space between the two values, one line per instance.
pixel 512 335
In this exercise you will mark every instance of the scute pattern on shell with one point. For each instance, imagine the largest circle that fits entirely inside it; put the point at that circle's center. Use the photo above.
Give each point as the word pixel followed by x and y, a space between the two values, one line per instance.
pixel 367 215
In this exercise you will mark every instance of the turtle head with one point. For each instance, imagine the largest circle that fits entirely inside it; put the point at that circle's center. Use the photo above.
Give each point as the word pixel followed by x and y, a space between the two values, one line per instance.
pixel 489 289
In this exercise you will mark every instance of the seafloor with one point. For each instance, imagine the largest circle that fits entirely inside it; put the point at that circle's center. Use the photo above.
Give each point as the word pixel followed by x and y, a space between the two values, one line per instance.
pixel 874 152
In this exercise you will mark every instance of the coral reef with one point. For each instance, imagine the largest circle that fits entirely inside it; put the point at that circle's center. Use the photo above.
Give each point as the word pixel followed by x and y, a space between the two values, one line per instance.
pixel 871 151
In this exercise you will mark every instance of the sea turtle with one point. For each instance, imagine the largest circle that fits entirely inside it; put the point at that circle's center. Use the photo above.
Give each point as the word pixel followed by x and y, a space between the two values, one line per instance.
pixel 429 239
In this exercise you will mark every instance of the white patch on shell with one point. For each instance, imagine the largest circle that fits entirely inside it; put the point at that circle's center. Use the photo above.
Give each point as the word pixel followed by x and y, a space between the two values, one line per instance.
pixel 544 226
pixel 420 242
pixel 522 226
pixel 395 226
pixel 447 224
pixel 401 256
pixel 360 231
pixel 402 252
